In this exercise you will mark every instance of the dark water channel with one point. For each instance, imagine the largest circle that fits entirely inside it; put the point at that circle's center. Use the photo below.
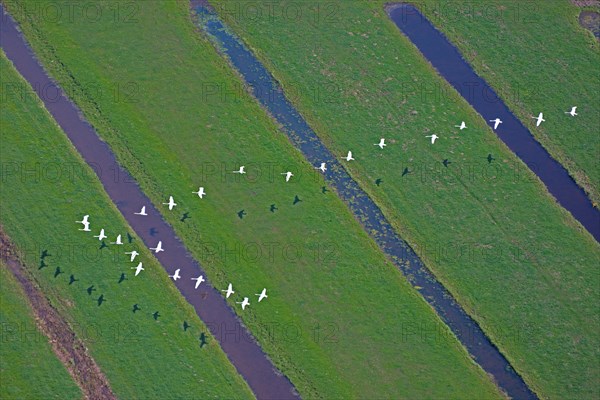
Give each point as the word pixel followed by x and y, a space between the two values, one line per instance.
pixel 449 63
pixel 238 344
pixel 273 99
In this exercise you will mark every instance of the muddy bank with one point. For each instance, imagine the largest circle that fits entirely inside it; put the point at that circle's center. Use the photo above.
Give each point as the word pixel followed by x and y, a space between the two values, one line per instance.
pixel 590 20
pixel 69 349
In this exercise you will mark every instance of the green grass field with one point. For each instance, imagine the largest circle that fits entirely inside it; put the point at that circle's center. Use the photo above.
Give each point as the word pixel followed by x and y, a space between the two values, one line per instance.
pixel 29 369
pixel 521 265
pixel 538 58
pixel 141 357
pixel 340 320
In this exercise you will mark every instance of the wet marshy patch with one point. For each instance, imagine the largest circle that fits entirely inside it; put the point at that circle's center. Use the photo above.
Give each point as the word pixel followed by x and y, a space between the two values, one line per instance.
pixel 590 20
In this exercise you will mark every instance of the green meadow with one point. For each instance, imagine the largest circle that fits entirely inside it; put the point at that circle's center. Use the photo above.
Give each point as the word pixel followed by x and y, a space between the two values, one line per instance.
pixel 340 321
pixel 519 263
pixel 29 369
pixel 141 357
pixel 538 59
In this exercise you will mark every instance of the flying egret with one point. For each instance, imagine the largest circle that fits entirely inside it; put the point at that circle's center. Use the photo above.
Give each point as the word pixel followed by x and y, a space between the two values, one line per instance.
pixel 496 122
pixel 118 241
pixel 349 156
pixel 461 126
pixel 381 143
pixel 262 295
pixel 200 192
pixel 171 203
pixel 244 303
pixel 240 171
pixel 288 175
pixel 229 291
pixel 176 275
pixel 142 211
pixel 323 167
pixel 158 247
pixel 573 111
pixel 85 222
pixel 138 269
pixel 133 255
pixel 198 280
pixel 433 137
pixel 86 227
pixel 540 119
pixel 101 236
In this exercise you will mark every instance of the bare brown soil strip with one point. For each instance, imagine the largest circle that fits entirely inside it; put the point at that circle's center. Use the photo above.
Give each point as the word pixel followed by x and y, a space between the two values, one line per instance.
pixel 586 3
pixel 69 349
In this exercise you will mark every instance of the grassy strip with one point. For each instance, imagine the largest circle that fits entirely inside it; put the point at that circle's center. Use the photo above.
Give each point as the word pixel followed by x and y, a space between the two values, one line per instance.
pixel 521 265
pixel 340 321
pixel 28 367
pixel 141 357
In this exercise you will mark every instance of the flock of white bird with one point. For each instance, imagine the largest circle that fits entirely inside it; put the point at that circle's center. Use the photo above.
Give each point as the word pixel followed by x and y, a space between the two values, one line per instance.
pixel 434 137
pixel 288 175
pixel 176 275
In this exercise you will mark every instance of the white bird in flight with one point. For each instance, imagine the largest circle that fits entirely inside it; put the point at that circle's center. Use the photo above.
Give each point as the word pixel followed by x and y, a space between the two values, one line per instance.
pixel 323 167
pixel 175 276
pixel 540 119
pixel 133 255
pixel 288 175
pixel 433 137
pixel 138 269
pixel 198 280
pixel 262 295
pixel 158 247
pixel 349 156
pixel 142 211
pixel 229 291
pixel 118 241
pixel 171 203
pixel 240 171
pixel 573 111
pixel 461 126
pixel 244 303
pixel 381 143
pixel 200 192
pixel 101 236
pixel 496 122
pixel 85 222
